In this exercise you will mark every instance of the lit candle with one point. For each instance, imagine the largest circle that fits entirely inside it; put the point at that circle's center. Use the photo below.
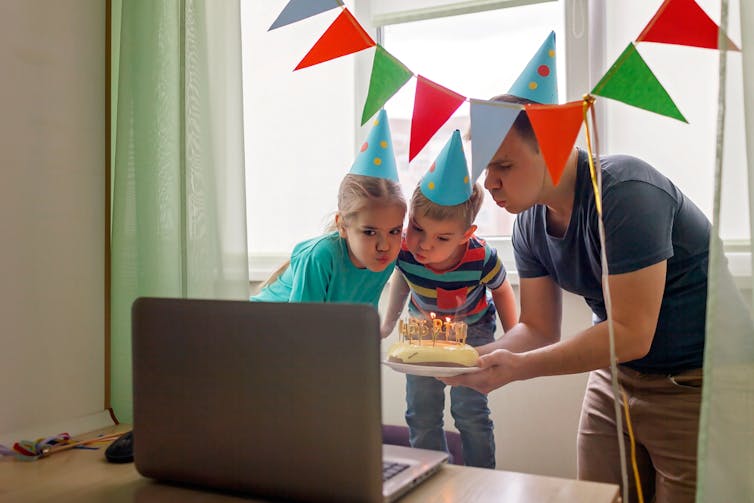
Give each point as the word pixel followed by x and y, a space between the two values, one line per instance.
pixel 412 329
pixel 447 328
pixel 423 329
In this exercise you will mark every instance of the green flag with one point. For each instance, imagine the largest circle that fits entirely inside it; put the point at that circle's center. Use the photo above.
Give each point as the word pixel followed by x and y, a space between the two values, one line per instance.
pixel 631 81
pixel 388 75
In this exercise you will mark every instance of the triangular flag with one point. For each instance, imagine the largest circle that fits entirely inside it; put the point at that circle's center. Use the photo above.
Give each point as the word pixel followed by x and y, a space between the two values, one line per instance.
pixel 683 22
pixel 344 36
pixel 296 10
pixel 556 128
pixel 433 106
pixel 388 75
pixel 490 122
pixel 631 81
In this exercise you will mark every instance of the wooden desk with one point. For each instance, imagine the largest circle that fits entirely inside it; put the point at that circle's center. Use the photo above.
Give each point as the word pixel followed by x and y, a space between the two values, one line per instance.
pixel 84 476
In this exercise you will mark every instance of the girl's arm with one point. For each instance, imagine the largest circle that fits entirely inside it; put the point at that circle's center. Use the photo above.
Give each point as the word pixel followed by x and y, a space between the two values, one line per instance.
pixel 399 291
pixel 505 303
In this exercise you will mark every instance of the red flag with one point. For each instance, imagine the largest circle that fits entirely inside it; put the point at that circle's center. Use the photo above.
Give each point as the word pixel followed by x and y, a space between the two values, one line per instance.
pixel 344 36
pixel 556 128
pixel 433 106
pixel 682 22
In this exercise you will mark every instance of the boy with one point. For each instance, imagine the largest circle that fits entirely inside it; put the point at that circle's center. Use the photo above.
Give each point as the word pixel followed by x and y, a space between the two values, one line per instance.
pixel 452 274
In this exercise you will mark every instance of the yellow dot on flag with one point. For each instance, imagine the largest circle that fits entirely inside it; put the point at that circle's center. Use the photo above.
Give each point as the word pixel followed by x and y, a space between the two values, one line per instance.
pixel 533 85
pixel 551 53
pixel 383 144
pixel 376 121
pixel 431 185
pixel 377 161
pixel 465 179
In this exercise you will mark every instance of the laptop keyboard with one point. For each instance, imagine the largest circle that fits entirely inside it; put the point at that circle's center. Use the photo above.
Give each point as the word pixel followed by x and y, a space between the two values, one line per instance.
pixel 390 470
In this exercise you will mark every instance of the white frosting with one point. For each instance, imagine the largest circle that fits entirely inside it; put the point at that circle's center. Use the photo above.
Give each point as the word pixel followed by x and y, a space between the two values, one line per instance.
pixel 439 352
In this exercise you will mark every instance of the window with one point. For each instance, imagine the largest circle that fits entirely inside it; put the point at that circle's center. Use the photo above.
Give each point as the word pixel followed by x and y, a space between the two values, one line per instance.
pixel 302 131
pixel 302 128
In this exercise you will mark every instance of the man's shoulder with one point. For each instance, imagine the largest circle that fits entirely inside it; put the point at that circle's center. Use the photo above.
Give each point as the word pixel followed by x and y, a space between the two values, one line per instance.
pixel 620 170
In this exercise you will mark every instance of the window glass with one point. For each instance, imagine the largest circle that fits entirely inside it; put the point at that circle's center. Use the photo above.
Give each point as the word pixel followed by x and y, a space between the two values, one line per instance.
pixel 476 55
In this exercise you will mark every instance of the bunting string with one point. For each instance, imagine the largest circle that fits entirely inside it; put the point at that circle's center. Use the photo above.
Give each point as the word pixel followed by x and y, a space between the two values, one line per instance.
pixel 629 80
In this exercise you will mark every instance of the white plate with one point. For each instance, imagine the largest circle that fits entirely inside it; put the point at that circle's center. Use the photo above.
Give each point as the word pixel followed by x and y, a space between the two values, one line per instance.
pixel 429 371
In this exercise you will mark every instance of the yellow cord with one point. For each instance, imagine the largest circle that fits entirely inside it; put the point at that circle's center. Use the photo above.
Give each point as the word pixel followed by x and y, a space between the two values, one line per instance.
pixel 587 104
pixel 588 100
pixel 633 450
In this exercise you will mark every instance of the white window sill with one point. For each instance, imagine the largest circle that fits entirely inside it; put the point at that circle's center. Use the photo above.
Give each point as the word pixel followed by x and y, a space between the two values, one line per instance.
pixel 738 252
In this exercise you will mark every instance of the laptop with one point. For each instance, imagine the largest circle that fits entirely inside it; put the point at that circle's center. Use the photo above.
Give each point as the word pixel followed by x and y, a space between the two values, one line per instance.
pixel 271 399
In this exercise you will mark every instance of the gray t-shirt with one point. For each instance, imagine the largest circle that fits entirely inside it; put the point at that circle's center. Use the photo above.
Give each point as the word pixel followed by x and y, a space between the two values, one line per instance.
pixel 647 220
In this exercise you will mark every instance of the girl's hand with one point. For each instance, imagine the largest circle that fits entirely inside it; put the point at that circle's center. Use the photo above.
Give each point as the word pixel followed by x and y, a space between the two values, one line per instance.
pixel 497 369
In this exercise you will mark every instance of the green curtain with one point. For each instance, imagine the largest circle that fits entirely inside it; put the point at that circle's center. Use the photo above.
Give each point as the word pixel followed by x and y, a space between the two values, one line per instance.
pixel 726 433
pixel 178 189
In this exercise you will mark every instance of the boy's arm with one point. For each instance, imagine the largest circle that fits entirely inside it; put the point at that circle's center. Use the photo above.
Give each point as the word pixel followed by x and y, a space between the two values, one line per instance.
pixel 505 303
pixel 396 300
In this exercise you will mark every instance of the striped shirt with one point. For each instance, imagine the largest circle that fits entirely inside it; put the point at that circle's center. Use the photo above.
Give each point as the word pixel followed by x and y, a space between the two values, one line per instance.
pixel 461 292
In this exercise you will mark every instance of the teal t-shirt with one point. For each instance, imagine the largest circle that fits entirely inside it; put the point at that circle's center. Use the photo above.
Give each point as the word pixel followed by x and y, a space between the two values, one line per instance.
pixel 321 271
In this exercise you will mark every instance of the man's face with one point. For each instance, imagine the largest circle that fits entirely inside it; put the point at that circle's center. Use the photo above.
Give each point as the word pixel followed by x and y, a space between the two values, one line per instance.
pixel 515 174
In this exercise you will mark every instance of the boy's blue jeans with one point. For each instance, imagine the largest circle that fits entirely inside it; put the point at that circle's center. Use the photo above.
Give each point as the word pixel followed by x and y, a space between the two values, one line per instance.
pixel 425 400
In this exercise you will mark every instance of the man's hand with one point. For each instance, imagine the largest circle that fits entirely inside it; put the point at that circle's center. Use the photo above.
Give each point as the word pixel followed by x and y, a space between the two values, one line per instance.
pixel 498 368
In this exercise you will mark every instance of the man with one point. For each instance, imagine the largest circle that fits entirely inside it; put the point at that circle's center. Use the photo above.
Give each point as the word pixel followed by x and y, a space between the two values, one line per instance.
pixel 657 246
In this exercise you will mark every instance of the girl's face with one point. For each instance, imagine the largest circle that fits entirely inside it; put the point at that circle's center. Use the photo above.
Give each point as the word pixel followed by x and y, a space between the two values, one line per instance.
pixel 373 236
pixel 437 243
pixel 515 174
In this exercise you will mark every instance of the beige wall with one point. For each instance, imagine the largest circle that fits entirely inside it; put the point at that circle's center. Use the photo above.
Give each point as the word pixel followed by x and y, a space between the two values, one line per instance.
pixel 52 160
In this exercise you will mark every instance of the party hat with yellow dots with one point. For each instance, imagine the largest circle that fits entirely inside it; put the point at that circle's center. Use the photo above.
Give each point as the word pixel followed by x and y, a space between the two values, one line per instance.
pixel 447 181
pixel 539 80
pixel 376 157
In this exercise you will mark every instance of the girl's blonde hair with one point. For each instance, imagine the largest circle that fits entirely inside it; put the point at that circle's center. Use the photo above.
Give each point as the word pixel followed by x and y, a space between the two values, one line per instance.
pixel 465 212
pixel 356 192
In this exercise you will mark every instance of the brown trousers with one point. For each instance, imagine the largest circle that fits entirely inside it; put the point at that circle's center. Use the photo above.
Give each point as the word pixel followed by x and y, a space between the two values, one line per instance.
pixel 664 414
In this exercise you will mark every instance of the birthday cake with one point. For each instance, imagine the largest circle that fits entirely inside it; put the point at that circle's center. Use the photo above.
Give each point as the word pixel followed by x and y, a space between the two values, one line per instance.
pixel 433 342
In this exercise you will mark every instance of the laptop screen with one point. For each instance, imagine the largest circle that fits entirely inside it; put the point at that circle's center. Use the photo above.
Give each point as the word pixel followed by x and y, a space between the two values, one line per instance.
pixel 268 398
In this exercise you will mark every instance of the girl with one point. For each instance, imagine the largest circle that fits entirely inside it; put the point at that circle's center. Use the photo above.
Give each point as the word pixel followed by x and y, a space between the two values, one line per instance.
pixel 352 263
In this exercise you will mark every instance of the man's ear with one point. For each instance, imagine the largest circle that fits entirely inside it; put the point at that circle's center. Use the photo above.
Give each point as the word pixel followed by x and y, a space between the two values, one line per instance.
pixel 469 232
pixel 340 225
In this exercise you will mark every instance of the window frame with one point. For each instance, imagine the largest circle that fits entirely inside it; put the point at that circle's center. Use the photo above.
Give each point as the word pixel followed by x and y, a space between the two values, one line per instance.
pixel 585 61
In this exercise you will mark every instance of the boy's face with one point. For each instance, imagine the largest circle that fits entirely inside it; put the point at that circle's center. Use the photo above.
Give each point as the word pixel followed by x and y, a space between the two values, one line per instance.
pixel 437 243
pixel 373 236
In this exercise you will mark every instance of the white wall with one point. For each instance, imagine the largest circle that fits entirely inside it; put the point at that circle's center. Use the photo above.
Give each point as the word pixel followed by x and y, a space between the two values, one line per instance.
pixel 52 159
pixel 683 152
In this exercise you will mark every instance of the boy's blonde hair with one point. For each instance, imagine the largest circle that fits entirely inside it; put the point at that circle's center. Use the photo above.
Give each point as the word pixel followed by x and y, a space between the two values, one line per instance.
pixel 356 192
pixel 465 212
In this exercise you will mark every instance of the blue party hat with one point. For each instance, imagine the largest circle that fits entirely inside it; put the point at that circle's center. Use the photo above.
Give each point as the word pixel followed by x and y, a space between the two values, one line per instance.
pixel 447 182
pixel 376 157
pixel 539 80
